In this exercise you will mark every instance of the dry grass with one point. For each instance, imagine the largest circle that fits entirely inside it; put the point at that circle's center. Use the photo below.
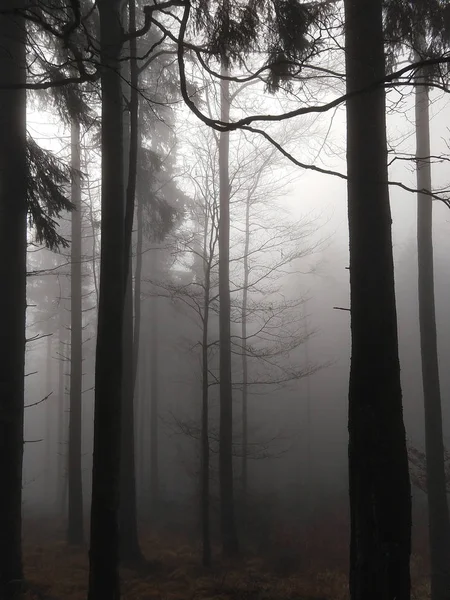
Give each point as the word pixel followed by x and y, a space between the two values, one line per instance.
pixel 57 572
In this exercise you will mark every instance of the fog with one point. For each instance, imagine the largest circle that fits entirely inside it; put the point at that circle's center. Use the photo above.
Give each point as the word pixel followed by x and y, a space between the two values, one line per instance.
pixel 297 426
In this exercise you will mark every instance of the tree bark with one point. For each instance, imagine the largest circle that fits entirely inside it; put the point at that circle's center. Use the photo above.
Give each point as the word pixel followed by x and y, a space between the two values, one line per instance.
pixel 75 534
pixel 438 515
pixel 13 244
pixel 230 544
pixel 104 548
pixel 380 501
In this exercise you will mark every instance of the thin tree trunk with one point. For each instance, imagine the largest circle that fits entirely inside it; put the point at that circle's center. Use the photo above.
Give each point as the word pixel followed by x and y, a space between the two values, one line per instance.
pixel 138 273
pixel 205 455
pixel 75 534
pixel 48 419
pixel 308 454
pixel 154 398
pixel 104 548
pixel 245 362
pixel 228 526
pixel 143 426
pixel 61 451
pixel 438 516
pixel 380 500
pixel 13 244
pixel 137 345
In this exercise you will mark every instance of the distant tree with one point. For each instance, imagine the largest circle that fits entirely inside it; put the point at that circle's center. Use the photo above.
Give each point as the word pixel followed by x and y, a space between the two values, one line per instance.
pixel 422 30
pixel 75 515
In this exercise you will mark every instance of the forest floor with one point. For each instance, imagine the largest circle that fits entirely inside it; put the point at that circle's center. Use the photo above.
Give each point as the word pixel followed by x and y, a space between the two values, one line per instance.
pixel 57 572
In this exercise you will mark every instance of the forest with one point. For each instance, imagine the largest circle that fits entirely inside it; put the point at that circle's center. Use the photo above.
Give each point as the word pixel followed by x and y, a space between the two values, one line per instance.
pixel 224 242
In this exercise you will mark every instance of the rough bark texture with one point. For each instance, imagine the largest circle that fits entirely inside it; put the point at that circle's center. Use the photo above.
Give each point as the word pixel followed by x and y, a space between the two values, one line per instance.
pixel 13 177
pixel 228 525
pixel 104 549
pixel 380 502
pixel 75 518
pixel 438 519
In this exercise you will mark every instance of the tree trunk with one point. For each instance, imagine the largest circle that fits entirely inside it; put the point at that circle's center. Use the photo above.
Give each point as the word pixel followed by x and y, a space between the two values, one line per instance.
pixel 48 481
pixel 104 548
pixel 438 516
pixel 61 450
pixel 75 518
pixel 228 526
pixel 154 397
pixel 129 541
pixel 380 501
pixel 13 244
pixel 204 487
pixel 137 348
pixel 245 362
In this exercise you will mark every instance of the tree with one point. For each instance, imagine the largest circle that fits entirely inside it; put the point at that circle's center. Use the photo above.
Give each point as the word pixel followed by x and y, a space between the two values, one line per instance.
pixel 104 543
pixel 228 525
pixel 13 214
pixel 75 515
pixel 438 515
pixel 380 502
pixel 129 542
pixel 422 30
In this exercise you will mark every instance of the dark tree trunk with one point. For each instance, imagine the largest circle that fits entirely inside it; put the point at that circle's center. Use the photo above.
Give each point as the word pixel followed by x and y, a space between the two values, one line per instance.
pixel 129 542
pixel 230 544
pixel 75 518
pixel 13 241
pixel 380 501
pixel 154 397
pixel 438 516
pixel 104 548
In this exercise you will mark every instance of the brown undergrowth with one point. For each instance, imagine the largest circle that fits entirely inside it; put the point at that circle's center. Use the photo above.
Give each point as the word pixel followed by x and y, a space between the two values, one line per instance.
pixel 57 572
